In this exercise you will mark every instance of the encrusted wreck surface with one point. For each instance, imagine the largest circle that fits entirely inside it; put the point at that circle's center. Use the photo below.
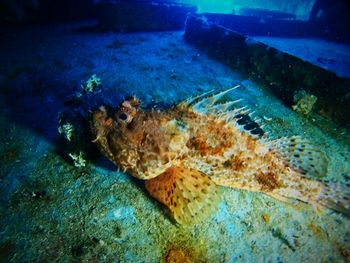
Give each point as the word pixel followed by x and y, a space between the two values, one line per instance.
pixel 282 73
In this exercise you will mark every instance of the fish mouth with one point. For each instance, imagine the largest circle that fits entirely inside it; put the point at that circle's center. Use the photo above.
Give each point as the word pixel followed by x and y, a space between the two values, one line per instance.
pixel 99 116
pixel 100 122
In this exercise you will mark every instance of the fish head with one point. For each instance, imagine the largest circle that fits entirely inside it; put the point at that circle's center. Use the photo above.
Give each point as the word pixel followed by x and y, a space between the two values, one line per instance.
pixel 143 143
pixel 127 111
pixel 105 119
pixel 117 132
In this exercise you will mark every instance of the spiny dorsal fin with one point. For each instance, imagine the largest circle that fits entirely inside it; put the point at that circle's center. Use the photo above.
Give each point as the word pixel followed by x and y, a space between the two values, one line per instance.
pixel 206 99
pixel 190 101
pixel 249 125
pixel 301 156
pixel 215 104
pixel 189 194
pixel 225 107
pixel 212 100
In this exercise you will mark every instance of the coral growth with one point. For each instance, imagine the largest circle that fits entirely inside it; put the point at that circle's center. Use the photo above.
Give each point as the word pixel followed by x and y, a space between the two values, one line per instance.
pixel 66 130
pixel 79 159
pixel 303 102
pixel 73 121
pixel 93 84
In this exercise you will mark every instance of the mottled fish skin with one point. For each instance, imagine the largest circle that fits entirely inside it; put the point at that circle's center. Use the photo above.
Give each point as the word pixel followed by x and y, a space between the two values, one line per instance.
pixel 148 143
pixel 145 147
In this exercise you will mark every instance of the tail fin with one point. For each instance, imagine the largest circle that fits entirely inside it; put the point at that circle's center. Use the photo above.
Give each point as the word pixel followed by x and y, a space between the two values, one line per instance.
pixel 336 196
pixel 332 195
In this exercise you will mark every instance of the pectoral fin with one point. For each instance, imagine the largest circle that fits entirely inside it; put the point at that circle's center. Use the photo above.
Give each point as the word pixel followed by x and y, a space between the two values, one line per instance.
pixel 189 194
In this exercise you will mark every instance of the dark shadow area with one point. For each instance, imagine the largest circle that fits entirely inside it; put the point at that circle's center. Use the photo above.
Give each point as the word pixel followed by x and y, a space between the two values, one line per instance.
pixel 120 16
pixel 17 12
pixel 41 100
pixel 132 16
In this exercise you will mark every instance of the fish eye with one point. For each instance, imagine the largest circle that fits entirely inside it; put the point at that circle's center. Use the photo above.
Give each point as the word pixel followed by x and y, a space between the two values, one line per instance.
pixel 123 116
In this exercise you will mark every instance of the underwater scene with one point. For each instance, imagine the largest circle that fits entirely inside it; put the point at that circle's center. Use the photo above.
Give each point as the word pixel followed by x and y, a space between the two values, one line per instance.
pixel 175 131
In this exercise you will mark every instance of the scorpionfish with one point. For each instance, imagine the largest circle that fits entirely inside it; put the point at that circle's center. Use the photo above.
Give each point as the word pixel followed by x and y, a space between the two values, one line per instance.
pixel 185 152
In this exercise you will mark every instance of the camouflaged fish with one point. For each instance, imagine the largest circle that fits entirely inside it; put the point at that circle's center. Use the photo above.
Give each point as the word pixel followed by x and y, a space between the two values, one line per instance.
pixel 184 152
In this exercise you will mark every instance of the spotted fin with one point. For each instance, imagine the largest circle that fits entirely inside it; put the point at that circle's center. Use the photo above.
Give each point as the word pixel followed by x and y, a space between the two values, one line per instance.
pixel 189 194
pixel 301 156
pixel 336 196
